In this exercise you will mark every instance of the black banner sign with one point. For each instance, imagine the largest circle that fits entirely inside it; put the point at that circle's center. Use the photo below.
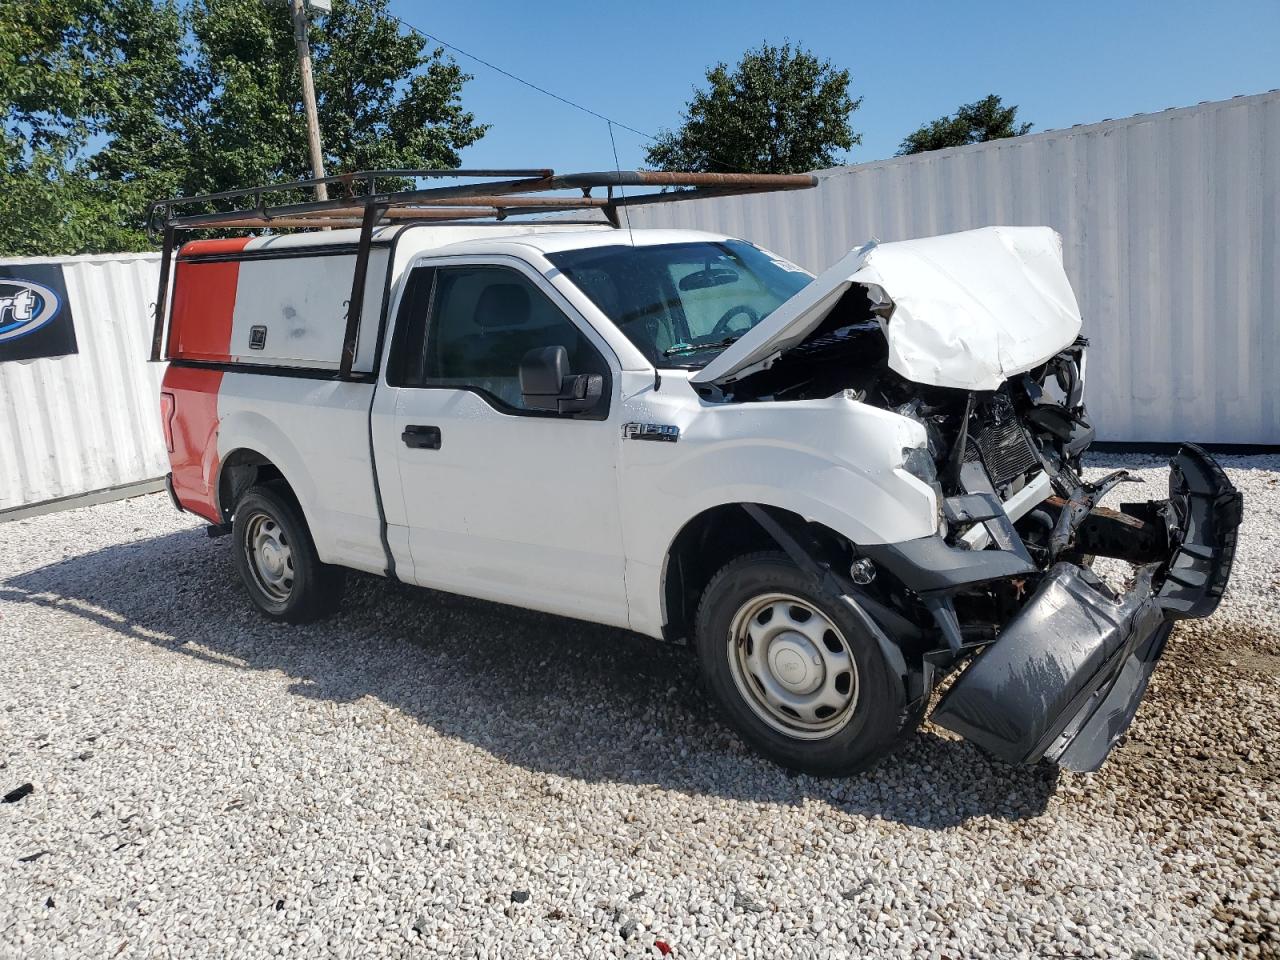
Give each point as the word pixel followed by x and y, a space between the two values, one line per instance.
pixel 35 315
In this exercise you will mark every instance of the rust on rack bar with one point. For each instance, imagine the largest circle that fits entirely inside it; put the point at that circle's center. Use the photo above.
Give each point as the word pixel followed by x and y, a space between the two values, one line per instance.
pixel 514 201
pixel 764 181
pixel 396 213
pixel 309 223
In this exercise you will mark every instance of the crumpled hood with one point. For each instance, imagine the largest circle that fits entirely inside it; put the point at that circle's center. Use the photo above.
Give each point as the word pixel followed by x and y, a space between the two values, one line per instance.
pixel 971 309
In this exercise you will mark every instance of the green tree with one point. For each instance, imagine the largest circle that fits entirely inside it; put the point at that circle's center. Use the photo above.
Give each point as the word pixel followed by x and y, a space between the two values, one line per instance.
pixel 384 98
pixel 371 118
pixel 88 96
pixel 780 110
pixel 106 105
pixel 43 73
pixel 977 122
pixel 143 107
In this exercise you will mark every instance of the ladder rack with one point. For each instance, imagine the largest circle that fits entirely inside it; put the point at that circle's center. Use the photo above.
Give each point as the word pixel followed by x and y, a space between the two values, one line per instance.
pixel 493 195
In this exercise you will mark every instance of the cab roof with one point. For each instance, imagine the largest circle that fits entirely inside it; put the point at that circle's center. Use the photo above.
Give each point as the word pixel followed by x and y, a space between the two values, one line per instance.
pixel 579 239
pixel 543 236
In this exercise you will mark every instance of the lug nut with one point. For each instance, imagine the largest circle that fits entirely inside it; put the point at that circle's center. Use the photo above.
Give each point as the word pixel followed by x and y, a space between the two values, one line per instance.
pixel 862 571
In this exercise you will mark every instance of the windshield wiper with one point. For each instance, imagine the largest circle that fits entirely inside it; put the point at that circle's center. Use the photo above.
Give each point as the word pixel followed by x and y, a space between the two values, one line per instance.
pixel 680 349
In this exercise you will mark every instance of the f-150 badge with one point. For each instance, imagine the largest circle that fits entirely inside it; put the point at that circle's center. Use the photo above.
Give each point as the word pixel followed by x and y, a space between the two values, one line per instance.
pixel 651 431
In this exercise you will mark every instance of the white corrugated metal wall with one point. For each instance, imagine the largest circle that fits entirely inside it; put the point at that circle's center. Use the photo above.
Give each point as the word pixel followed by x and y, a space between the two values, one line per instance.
pixel 89 421
pixel 1169 223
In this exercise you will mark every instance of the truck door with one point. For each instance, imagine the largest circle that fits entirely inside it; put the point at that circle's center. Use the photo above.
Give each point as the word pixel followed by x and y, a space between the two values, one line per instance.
pixel 495 500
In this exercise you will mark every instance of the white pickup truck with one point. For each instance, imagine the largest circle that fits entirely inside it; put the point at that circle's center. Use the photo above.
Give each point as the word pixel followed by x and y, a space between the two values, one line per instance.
pixel 837 489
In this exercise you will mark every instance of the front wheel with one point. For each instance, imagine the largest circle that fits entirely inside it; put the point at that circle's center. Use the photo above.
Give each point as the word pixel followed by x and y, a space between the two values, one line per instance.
pixel 796 672
pixel 277 559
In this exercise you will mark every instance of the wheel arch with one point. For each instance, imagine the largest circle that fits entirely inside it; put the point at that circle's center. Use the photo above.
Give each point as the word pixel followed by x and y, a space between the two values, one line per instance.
pixel 822 552
pixel 718 534
pixel 241 469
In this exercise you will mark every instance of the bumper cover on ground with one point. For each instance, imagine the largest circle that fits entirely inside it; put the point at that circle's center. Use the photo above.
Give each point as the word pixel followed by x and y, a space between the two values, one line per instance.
pixel 1065 676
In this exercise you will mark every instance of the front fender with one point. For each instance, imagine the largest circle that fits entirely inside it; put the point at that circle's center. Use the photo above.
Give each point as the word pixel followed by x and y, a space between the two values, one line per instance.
pixel 835 461
pixel 880 505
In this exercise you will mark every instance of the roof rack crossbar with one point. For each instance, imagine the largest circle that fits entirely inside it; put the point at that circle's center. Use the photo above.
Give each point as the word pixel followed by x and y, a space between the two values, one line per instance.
pixel 365 176
pixel 493 185
pixel 161 212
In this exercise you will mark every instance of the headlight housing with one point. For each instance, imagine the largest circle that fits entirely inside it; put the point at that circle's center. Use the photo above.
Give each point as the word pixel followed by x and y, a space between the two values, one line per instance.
pixel 918 462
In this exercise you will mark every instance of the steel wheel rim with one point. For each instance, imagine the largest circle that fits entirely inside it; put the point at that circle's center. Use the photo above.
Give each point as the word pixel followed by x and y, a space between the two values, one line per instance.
pixel 793 666
pixel 270 557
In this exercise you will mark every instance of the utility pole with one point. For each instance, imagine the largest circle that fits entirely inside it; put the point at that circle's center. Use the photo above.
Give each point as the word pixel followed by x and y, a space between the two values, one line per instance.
pixel 298 10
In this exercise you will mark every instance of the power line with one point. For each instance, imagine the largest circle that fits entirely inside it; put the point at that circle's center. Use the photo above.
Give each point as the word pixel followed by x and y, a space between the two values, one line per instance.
pixel 626 209
pixel 368 4
pixel 507 73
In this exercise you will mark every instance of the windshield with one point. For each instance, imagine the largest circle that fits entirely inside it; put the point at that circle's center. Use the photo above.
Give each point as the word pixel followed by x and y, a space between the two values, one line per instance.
pixel 682 303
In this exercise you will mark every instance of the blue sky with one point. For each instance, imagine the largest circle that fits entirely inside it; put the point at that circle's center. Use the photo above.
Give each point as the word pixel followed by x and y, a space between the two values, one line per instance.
pixel 1062 63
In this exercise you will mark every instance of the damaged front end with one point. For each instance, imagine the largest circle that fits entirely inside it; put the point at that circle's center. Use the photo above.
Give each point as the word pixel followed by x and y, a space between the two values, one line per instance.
pixel 1057 660
pixel 1064 673
pixel 976 338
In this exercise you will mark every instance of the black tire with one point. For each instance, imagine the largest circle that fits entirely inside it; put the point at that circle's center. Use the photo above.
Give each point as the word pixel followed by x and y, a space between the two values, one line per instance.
pixel 311 589
pixel 874 720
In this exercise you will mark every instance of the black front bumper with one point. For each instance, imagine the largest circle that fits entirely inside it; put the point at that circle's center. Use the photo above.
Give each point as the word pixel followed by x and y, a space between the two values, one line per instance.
pixel 1064 677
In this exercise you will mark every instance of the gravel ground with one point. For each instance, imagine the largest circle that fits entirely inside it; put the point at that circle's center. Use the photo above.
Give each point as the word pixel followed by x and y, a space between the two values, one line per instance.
pixel 427 775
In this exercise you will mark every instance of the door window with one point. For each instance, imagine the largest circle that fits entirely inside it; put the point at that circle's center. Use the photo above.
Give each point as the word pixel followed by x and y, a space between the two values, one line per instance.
pixel 479 324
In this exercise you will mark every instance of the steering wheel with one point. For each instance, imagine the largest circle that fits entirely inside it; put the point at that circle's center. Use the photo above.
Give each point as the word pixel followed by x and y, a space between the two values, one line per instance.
pixel 722 325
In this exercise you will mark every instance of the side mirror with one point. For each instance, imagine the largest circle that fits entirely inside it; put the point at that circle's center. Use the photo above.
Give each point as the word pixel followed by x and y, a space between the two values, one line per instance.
pixel 547 384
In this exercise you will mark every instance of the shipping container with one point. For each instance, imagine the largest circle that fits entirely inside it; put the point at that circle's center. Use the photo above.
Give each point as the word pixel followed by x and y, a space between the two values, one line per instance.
pixel 89 420
pixel 1169 224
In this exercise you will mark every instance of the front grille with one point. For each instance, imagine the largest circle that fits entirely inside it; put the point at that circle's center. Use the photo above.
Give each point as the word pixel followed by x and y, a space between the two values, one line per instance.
pixel 1003 449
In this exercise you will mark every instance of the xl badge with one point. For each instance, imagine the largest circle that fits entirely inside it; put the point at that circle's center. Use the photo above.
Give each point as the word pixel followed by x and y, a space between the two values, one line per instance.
pixel 651 431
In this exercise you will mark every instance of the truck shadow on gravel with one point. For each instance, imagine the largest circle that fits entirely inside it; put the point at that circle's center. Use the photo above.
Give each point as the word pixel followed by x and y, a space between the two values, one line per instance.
pixel 555 696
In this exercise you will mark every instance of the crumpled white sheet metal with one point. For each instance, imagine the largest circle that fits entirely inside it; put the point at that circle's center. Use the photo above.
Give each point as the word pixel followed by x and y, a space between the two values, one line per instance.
pixel 971 309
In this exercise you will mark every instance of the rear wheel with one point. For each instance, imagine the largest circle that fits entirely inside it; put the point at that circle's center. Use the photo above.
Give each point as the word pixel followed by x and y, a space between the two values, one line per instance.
pixel 277 559
pixel 796 672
